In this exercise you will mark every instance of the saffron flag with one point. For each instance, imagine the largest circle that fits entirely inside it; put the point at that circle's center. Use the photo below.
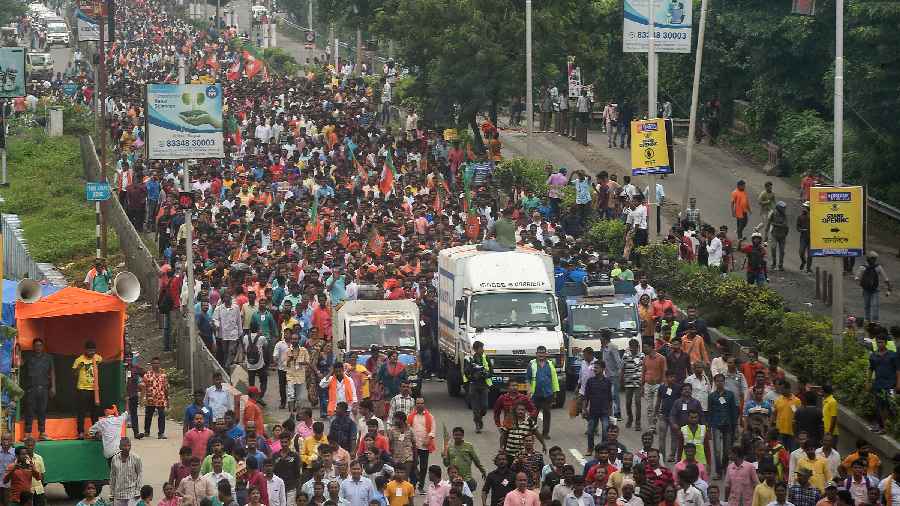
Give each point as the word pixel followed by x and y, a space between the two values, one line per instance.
pixel 388 173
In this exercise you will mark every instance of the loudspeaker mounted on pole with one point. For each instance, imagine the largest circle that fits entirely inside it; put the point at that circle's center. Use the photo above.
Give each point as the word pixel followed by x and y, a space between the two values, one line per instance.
pixel 126 287
pixel 28 291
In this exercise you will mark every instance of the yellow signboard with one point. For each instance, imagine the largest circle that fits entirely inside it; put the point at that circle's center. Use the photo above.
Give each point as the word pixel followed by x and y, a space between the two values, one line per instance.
pixel 836 221
pixel 649 151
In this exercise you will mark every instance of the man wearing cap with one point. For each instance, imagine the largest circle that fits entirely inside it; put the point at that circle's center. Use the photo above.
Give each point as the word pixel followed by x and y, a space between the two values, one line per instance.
pixel 777 225
pixel 830 499
pixel 802 493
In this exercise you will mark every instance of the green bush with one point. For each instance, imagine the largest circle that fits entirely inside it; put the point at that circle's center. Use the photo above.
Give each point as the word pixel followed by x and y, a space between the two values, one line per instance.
pixel 801 340
pixel 608 236
pixel 280 61
pixel 522 173
pixel 806 141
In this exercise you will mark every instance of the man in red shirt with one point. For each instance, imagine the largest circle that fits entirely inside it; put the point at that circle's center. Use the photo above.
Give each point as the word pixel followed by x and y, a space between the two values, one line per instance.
pixel 19 475
pixel 197 437
pixel 252 412
pixel 506 404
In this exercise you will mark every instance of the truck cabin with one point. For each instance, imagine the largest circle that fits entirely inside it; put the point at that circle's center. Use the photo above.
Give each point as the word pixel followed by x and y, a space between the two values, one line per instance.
pixel 508 309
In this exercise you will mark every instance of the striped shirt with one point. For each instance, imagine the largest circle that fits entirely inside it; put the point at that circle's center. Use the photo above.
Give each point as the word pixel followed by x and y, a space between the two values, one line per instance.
pixel 515 435
pixel 125 477
pixel 632 368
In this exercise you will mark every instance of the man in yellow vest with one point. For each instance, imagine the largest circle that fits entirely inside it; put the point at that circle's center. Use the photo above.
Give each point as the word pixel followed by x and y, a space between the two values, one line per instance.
pixel 477 373
pixel 697 433
pixel 543 386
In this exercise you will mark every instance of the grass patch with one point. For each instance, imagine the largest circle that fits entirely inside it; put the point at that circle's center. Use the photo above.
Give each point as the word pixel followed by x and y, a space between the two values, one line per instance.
pixel 46 190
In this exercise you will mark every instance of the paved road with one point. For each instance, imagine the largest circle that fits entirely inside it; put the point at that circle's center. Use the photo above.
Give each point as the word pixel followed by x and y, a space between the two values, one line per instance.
pixel 159 455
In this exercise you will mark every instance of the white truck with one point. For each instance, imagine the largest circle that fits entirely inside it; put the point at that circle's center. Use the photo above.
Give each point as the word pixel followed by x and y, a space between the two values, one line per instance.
pixel 387 324
pixel 507 301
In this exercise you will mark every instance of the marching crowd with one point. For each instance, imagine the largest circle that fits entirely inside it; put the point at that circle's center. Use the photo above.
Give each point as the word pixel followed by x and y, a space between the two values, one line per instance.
pixel 317 197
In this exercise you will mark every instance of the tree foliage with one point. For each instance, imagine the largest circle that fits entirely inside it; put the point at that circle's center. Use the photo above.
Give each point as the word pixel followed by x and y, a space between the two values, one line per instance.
pixel 468 56
pixel 10 10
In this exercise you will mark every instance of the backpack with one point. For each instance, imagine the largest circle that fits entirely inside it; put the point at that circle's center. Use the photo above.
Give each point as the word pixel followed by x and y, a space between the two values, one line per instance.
pixel 779 225
pixel 755 259
pixel 869 279
pixel 253 351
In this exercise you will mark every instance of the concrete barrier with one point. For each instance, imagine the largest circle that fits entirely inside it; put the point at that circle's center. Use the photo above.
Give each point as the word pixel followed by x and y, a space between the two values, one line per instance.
pixel 140 261
pixel 850 425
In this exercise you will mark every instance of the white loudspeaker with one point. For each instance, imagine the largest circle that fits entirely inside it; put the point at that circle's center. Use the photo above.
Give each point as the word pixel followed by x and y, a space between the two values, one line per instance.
pixel 127 287
pixel 28 291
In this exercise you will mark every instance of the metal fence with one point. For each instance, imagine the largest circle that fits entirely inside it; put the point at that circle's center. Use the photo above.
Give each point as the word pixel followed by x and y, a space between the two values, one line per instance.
pixel 17 261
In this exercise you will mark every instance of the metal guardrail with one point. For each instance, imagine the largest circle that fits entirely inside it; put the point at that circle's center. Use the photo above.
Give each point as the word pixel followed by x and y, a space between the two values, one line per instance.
pixel 17 261
pixel 884 208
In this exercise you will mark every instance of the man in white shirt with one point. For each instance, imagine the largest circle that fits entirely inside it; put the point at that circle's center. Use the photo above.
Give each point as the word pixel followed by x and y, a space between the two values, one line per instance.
pixel 263 132
pixel 637 220
pixel 218 473
pixel 217 398
pixel 688 495
pixel 714 251
pixel 644 288
pixel 228 324
pixel 577 497
pixel 275 485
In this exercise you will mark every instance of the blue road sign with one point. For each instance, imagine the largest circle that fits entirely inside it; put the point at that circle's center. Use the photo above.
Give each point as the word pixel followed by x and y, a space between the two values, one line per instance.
pixel 97 191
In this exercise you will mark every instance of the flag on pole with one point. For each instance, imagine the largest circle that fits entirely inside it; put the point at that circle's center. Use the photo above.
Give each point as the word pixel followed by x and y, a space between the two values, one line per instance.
pixel 388 173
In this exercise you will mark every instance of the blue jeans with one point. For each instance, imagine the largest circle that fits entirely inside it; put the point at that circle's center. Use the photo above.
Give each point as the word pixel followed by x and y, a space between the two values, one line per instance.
pixel 870 304
pixel 478 399
pixel 592 423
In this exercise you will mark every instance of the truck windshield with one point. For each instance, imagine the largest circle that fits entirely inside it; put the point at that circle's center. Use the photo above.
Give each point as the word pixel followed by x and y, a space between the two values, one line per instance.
pixel 392 334
pixel 595 317
pixel 40 59
pixel 513 310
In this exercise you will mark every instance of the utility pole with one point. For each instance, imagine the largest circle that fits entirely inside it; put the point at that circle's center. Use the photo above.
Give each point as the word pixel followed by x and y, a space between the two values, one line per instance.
pixel 310 16
pixel 651 111
pixel 695 97
pixel 529 99
pixel 101 124
pixel 358 67
pixel 837 305
pixel 189 247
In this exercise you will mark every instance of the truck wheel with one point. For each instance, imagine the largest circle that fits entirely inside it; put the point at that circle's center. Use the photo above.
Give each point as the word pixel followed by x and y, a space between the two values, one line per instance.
pixel 453 381
pixel 74 489
pixel 560 400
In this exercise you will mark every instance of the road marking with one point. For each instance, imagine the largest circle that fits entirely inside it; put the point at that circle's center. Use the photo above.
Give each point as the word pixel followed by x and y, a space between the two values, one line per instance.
pixel 578 456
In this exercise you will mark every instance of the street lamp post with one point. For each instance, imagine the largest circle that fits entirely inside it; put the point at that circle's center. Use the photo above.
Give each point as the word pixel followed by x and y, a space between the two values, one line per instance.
pixel 651 108
pixel 529 100
pixel 695 97
pixel 837 306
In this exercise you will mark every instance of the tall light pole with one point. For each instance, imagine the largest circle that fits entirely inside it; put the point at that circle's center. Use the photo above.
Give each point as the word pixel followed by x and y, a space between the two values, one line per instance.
pixel 651 107
pixel 529 100
pixel 695 97
pixel 189 249
pixel 837 306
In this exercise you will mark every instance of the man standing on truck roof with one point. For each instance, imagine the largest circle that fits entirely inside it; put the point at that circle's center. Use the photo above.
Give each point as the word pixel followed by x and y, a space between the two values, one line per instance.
pixel 477 373
pixel 40 387
pixel 543 386
pixel 87 381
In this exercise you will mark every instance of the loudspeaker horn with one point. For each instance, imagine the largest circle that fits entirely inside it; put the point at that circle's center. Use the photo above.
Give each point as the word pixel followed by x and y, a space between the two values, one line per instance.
pixel 28 291
pixel 127 287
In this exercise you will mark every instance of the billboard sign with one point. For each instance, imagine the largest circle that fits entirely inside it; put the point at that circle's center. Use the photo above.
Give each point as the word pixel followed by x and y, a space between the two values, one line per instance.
pixel 672 19
pixel 184 121
pixel 12 72
pixel 836 221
